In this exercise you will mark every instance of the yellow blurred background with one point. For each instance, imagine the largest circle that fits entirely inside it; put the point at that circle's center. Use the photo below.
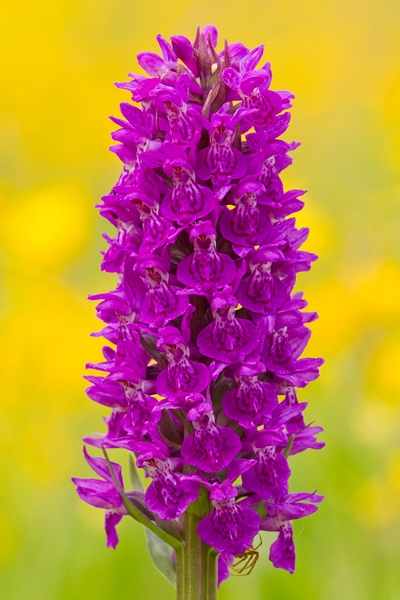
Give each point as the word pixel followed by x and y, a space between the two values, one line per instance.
pixel 58 63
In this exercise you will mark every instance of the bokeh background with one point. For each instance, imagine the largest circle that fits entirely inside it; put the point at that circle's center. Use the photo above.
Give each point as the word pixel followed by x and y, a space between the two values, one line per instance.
pixel 58 64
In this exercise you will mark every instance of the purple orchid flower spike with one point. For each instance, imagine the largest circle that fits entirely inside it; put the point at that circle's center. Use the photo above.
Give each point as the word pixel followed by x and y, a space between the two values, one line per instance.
pixel 205 333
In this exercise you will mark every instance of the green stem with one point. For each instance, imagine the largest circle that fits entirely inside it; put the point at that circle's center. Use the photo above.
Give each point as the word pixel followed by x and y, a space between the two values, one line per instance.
pixel 196 569
pixel 212 574
pixel 180 574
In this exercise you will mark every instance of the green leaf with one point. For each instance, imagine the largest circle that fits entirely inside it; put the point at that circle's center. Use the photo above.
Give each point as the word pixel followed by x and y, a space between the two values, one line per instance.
pixel 161 556
pixel 136 482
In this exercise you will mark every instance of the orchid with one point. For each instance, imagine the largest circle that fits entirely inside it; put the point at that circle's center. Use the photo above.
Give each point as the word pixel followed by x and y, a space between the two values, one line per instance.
pixel 204 333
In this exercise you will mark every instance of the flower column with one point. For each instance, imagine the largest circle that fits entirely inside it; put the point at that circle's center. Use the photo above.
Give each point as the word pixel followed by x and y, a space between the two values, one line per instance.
pixel 205 331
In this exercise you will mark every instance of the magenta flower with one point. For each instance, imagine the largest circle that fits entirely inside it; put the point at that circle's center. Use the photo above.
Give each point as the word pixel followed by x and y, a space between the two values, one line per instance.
pixel 280 515
pixel 221 160
pixel 230 527
pixel 205 269
pixel 204 333
pixel 210 447
pixel 227 338
pixel 168 495
pixel 181 375
pixel 268 477
pixel 251 401
pixel 103 494
pixel 188 200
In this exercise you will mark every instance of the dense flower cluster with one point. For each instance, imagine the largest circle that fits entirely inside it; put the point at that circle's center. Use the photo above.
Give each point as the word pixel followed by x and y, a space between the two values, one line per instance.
pixel 206 332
